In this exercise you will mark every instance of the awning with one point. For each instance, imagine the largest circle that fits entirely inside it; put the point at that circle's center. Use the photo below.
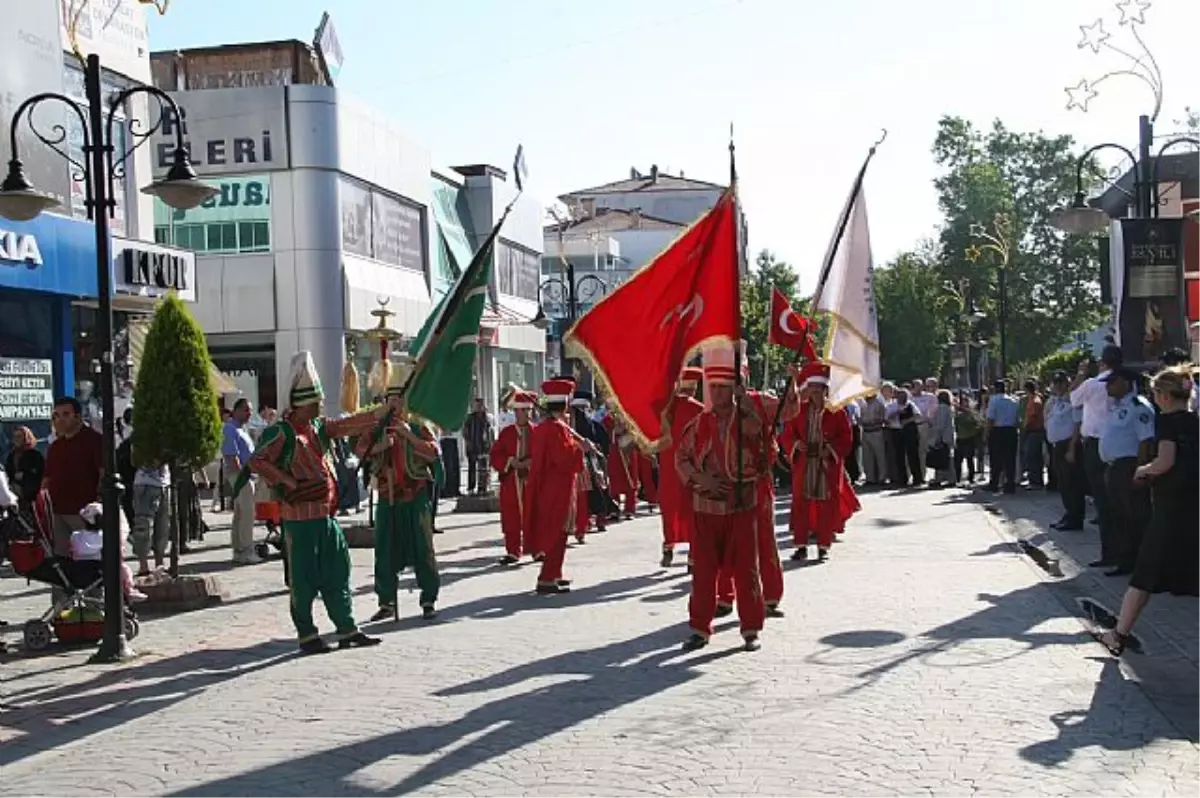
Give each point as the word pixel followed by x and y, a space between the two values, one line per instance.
pixel 138 328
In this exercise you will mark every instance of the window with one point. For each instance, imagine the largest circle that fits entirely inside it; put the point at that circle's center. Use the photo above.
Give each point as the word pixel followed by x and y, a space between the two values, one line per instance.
pixel 379 226
pixel 517 271
pixel 217 237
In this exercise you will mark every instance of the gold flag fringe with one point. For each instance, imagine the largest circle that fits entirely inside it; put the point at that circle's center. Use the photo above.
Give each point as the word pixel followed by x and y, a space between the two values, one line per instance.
pixel 350 388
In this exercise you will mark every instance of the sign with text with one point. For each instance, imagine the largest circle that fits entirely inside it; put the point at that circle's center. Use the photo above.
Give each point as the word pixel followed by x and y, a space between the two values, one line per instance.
pixel 386 228
pixel 151 270
pixel 26 389
pixel 239 199
pixel 1152 317
pixel 115 30
pixel 227 131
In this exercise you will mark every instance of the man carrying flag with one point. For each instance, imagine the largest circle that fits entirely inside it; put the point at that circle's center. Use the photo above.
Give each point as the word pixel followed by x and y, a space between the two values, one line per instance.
pixel 720 465
pixel 675 502
pixel 623 470
pixel 511 458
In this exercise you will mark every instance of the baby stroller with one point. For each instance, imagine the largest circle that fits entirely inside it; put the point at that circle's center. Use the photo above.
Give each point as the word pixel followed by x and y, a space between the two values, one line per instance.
pixel 77 614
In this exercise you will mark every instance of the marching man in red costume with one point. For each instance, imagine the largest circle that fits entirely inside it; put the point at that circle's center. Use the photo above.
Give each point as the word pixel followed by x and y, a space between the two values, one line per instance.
pixel 676 502
pixel 623 468
pixel 725 500
pixel 766 405
pixel 557 460
pixel 511 458
pixel 817 442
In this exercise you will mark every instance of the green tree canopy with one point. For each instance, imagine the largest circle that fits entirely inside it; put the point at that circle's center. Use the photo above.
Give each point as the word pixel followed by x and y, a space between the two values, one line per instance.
pixel 175 414
pixel 767 274
pixel 913 322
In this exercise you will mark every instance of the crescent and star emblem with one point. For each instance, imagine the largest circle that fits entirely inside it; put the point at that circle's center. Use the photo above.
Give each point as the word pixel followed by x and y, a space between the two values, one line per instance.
pixel 783 322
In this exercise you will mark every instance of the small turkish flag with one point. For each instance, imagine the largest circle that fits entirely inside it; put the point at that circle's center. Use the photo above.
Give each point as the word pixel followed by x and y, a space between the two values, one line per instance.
pixel 789 328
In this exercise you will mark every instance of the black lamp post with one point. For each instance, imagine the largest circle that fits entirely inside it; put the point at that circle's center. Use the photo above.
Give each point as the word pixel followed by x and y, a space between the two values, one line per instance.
pixel 571 293
pixel 996 239
pixel 20 201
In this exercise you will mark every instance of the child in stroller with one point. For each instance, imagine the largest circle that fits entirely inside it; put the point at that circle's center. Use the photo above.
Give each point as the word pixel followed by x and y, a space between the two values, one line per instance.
pixel 77 613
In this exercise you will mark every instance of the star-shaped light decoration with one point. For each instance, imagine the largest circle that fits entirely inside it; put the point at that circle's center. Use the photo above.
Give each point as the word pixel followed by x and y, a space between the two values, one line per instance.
pixel 978 230
pixel 1002 223
pixel 973 253
pixel 1094 36
pixel 1133 12
pixel 1079 95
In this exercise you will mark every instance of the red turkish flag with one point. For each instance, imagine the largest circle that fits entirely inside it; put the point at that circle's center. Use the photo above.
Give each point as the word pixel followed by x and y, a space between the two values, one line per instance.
pixel 638 338
pixel 789 328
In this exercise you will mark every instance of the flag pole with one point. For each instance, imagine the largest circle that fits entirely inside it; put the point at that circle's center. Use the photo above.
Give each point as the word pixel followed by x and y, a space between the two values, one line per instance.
pixel 830 256
pixel 737 344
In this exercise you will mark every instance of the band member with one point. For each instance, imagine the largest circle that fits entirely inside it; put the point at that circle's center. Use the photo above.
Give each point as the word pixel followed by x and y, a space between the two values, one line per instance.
pixel 647 470
pixel 406 463
pixel 292 457
pixel 676 503
pixel 557 459
pixel 817 442
pixel 766 405
pixel 723 480
pixel 593 502
pixel 511 458
pixel 623 469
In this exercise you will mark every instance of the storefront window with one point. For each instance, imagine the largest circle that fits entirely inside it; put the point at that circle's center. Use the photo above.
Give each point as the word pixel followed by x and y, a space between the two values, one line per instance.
pixel 85 322
pixel 237 220
pixel 252 372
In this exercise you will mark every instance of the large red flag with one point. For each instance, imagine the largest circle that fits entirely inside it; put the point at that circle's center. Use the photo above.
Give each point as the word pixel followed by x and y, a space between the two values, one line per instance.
pixel 789 328
pixel 638 338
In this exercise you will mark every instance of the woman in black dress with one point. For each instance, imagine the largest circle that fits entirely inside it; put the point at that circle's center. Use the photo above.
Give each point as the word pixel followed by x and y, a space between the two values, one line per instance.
pixel 25 466
pixel 1167 559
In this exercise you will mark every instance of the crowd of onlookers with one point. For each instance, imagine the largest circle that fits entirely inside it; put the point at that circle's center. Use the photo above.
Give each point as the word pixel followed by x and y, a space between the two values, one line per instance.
pixel 1125 439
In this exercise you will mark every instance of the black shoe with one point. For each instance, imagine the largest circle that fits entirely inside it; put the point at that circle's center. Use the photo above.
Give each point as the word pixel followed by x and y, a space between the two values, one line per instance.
pixel 563 582
pixel 695 643
pixel 580 539
pixel 437 531
pixel 800 554
pixel 822 555
pixel 774 611
pixel 1120 570
pixel 552 589
pixel 751 643
pixel 508 559
pixel 358 640
pixel 315 646
pixel 668 556
pixel 723 611
pixel 428 613
pixel 384 613
pixel 1068 526
pixel 1101 563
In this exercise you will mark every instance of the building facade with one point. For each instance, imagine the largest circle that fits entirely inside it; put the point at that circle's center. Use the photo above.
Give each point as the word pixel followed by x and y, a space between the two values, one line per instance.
pixel 327 209
pixel 48 280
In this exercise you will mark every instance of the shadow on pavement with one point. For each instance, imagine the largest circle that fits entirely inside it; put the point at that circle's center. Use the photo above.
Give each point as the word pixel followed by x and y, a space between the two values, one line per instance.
pixel 609 677
pixel 49 718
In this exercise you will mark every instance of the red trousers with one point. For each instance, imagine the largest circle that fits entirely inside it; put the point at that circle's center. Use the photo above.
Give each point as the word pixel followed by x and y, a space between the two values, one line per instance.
pixel 511 516
pixel 769 566
pixel 646 478
pixel 729 542
pixel 552 566
pixel 581 513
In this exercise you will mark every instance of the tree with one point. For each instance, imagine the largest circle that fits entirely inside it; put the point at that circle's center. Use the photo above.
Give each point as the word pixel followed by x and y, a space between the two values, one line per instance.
pixel 175 416
pixel 766 275
pixel 913 317
pixel 1052 279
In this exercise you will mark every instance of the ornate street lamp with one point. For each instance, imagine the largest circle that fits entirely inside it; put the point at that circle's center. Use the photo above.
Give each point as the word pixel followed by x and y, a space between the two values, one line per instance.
pixel 21 201
pixel 996 240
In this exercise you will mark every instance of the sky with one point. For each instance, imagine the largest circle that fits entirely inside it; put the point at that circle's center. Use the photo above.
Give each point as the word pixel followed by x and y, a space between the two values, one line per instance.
pixel 592 89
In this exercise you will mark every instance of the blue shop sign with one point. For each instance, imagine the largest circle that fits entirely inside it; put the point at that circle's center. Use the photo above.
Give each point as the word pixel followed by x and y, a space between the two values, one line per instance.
pixel 51 254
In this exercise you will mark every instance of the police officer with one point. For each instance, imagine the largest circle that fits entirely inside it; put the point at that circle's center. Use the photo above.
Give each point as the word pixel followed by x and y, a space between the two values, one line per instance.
pixel 1062 433
pixel 1126 441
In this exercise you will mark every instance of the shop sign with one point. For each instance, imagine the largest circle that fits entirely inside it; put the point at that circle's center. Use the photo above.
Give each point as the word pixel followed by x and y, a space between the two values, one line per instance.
pixel 26 389
pixel 1153 311
pixel 232 130
pixel 20 248
pixel 153 270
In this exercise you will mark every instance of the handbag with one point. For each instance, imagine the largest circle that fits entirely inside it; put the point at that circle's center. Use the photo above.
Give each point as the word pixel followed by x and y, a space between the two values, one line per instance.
pixel 938 457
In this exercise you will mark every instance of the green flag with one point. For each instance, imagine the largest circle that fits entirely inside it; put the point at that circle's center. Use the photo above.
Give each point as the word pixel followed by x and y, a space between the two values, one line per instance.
pixel 439 389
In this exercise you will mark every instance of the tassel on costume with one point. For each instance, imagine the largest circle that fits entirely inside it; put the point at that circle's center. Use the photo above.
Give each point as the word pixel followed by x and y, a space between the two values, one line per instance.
pixel 350 388
pixel 380 377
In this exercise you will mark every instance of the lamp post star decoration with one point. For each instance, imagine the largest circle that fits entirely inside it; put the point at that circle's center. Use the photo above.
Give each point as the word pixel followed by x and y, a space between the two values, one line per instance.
pixel 1141 63
pixel 996 240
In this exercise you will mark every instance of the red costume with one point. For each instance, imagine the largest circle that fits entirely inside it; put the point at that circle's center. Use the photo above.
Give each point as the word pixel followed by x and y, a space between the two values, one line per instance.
pixel 557 459
pixel 725 534
pixel 645 465
pixel 510 457
pixel 817 442
pixel 674 501
pixel 623 468
pixel 770 568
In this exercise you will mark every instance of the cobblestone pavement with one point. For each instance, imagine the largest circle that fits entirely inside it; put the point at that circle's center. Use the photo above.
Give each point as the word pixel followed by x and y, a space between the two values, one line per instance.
pixel 928 657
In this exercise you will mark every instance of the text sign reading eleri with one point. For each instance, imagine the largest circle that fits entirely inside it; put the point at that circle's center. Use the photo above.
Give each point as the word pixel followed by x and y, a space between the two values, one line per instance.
pixel 230 130
pixel 26 389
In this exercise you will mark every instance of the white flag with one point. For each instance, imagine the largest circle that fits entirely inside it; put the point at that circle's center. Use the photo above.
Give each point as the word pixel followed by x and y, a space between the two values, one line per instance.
pixel 520 168
pixel 848 296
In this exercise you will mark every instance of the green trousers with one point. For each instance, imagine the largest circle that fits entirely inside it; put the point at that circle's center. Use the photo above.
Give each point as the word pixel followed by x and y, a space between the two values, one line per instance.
pixel 404 539
pixel 319 565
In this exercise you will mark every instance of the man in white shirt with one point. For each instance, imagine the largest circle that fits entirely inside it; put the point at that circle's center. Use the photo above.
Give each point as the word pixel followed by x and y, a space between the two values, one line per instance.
pixel 891 432
pixel 1090 394
pixel 924 396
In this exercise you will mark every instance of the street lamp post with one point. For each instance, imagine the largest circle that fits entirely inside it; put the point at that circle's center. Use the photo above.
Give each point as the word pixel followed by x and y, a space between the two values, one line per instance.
pixel 20 201
pixel 962 336
pixel 996 240
pixel 569 293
